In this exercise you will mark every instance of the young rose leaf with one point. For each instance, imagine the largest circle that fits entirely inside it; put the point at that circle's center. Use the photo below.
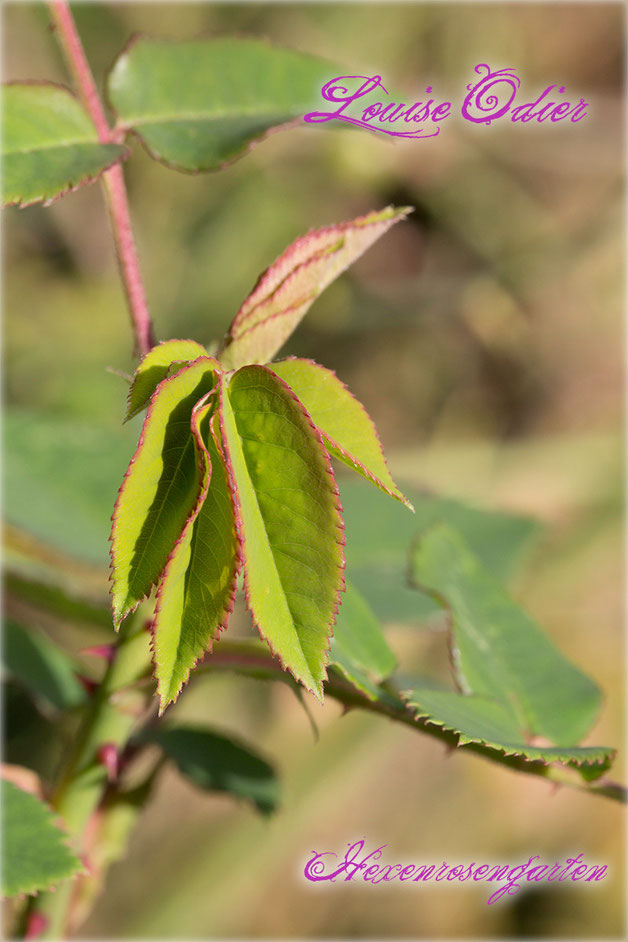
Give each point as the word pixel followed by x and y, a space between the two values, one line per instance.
pixel 289 519
pixel 35 855
pixel 195 597
pixel 218 763
pixel 499 652
pixel 198 104
pixel 49 144
pixel 155 366
pixel 359 649
pixel 492 723
pixel 160 487
pixel 285 291
pixel 345 425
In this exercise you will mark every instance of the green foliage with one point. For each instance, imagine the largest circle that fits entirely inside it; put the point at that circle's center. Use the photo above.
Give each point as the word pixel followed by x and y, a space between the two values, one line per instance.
pixel 516 685
pixel 44 669
pixel 155 366
pixel 49 145
pixel 198 104
pixel 218 763
pixel 359 649
pixel 35 854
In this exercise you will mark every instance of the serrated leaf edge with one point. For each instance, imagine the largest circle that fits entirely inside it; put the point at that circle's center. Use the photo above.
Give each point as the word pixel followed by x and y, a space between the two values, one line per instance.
pixel 130 415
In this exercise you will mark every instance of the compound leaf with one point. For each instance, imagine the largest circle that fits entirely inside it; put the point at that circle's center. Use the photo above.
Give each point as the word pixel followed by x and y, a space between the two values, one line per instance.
pixel 196 105
pixel 195 597
pixel 155 366
pixel 288 518
pixel 49 144
pixel 285 291
pixel 35 854
pixel 359 649
pixel 160 487
pixel 346 427
pixel 219 764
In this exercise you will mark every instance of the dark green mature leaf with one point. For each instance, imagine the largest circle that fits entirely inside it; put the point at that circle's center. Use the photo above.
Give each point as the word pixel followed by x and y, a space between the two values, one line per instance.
pixel 198 104
pixel 49 144
pixel 499 651
pixel 195 597
pixel 344 423
pixel 160 488
pixel 289 519
pixel 35 854
pixel 220 764
pixel 479 719
pixel 359 649
pixel 43 668
pixel 284 292
pixel 155 366
pixel 379 533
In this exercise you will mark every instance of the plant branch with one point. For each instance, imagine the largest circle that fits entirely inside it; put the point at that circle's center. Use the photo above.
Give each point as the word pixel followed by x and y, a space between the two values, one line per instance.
pixel 113 179
pixel 251 658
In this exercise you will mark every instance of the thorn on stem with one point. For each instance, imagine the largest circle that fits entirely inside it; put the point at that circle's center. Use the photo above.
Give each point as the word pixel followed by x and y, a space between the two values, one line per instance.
pixel 109 757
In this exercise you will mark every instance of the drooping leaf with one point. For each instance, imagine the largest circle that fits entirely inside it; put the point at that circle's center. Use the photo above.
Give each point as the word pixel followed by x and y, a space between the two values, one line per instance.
pixel 160 488
pixel 195 597
pixel 199 104
pixel 499 651
pixel 43 668
pixel 479 719
pixel 155 366
pixel 380 532
pixel 49 144
pixel 359 649
pixel 288 518
pixel 344 423
pixel 285 291
pixel 218 763
pixel 35 853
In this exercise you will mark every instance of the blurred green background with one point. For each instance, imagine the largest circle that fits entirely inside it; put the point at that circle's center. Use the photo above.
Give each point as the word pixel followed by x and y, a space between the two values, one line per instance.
pixel 485 338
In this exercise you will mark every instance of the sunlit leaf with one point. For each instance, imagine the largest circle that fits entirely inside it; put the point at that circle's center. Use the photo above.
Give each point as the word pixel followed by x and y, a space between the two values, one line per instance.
pixel 219 763
pixel 155 366
pixel 195 597
pixel 35 853
pixel 285 291
pixel 289 520
pixel 346 427
pixel 198 104
pixel 359 649
pixel 49 144
pixel 160 488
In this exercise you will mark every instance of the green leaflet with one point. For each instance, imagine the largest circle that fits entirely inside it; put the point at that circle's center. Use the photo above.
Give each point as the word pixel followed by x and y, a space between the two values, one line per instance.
pixel 346 427
pixel 284 293
pixel 49 144
pixel 155 366
pixel 479 719
pixel 35 855
pixel 499 651
pixel 359 649
pixel 219 763
pixel 198 104
pixel 160 487
pixel 43 668
pixel 289 519
pixel 196 594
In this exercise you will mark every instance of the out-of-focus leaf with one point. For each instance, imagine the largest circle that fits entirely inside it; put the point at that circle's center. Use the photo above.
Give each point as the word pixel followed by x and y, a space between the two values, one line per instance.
pixel 380 532
pixel 35 853
pixel 49 144
pixel 57 600
pixel 218 763
pixel 285 291
pixel 288 518
pixel 160 487
pixel 43 668
pixel 359 649
pixel 198 104
pixel 344 423
pixel 499 652
pixel 155 366
pixel 195 597
pixel 479 719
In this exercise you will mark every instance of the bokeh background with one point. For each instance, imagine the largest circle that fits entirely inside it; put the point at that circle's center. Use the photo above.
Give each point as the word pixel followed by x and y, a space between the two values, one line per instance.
pixel 485 338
